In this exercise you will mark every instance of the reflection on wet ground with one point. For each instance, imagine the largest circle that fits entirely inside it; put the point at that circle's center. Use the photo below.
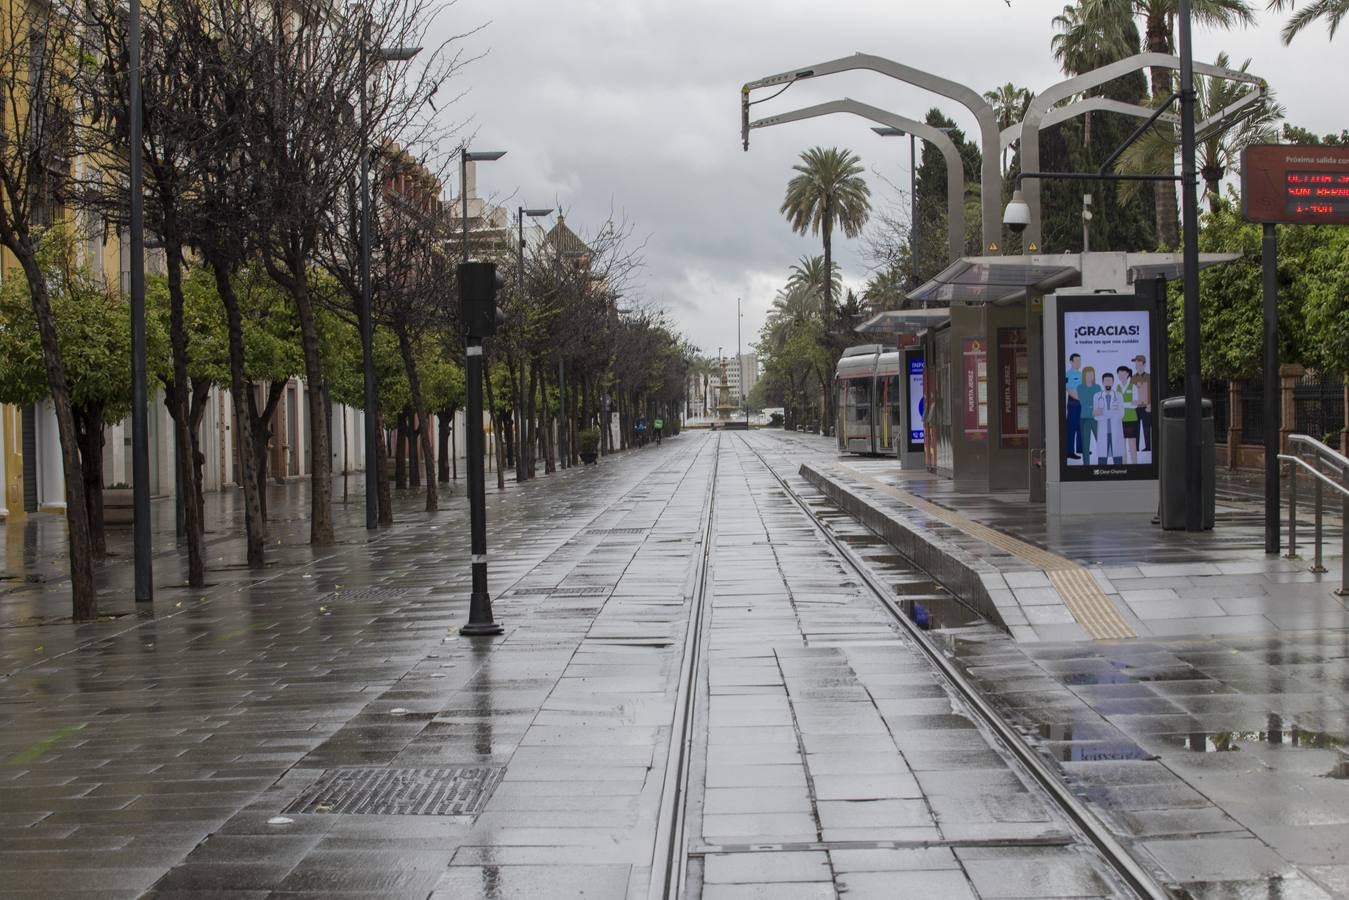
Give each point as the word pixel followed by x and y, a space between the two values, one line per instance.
pixel 924 601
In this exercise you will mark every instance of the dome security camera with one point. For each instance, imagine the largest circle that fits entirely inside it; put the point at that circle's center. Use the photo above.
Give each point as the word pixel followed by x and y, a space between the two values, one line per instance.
pixel 1017 214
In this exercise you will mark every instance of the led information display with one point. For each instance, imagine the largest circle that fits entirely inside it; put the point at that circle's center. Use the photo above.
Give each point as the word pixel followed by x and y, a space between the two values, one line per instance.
pixel 1295 184
pixel 1317 193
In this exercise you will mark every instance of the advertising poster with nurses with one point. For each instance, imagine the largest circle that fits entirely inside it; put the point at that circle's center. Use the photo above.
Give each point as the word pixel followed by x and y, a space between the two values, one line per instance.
pixel 1106 405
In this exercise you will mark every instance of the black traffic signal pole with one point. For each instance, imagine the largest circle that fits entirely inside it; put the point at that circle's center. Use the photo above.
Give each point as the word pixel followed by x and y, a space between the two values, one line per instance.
pixel 476 293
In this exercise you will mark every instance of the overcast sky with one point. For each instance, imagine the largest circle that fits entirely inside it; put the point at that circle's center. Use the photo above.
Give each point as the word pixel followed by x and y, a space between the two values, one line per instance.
pixel 634 105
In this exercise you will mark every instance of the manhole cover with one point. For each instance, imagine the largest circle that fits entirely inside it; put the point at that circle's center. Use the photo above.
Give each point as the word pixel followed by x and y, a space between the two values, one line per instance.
pixel 453 791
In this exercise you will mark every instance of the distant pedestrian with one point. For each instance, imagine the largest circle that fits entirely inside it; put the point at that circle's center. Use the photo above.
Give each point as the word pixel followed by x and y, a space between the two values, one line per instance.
pixel 640 429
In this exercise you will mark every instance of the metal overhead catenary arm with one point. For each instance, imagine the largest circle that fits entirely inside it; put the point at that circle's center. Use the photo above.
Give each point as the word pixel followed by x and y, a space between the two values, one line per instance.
pixel 1042 107
pixel 955 180
pixel 1012 133
pixel 990 179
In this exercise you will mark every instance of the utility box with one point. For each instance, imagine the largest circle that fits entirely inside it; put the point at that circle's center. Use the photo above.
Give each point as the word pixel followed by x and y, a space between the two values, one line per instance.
pixel 1173 464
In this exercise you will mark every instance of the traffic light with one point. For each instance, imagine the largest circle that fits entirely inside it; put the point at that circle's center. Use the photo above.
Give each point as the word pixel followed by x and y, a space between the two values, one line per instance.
pixel 478 284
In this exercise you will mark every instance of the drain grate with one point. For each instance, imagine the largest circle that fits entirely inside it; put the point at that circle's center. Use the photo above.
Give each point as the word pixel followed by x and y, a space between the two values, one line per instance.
pixel 616 530
pixel 451 791
pixel 367 595
pixel 581 591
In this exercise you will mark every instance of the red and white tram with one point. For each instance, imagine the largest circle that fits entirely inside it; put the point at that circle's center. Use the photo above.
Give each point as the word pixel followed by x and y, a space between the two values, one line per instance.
pixel 870 400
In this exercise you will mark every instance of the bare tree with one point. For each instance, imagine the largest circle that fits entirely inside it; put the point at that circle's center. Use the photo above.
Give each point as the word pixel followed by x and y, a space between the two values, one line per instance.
pixel 304 147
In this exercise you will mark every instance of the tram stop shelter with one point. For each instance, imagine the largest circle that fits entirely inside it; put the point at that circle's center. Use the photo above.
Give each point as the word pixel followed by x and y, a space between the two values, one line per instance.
pixel 1042 373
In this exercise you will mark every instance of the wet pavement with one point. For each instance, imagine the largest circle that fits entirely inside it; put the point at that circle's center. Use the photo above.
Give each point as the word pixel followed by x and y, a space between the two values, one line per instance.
pixel 318 729
pixel 1053 579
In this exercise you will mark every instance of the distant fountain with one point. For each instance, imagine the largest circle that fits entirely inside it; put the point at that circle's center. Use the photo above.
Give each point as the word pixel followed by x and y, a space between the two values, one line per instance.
pixel 724 405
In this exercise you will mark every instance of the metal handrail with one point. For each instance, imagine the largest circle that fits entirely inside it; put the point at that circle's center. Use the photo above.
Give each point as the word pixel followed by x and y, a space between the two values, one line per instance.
pixel 1323 458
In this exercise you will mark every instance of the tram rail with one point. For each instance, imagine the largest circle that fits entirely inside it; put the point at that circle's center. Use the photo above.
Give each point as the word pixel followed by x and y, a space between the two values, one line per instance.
pixel 1093 830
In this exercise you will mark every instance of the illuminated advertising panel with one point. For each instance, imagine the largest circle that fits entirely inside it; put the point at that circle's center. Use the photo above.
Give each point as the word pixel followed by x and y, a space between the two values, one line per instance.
pixel 917 405
pixel 1106 405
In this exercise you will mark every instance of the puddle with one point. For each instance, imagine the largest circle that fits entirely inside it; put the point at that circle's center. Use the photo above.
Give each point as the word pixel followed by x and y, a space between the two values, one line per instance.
pixel 1077 679
pixel 1096 751
pixel 1230 741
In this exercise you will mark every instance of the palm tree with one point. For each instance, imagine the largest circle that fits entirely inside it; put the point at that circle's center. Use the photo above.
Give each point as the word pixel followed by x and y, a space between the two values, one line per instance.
pixel 1101 25
pixel 808 275
pixel 1333 11
pixel 1218 151
pixel 827 191
pixel 885 290
pixel 1009 105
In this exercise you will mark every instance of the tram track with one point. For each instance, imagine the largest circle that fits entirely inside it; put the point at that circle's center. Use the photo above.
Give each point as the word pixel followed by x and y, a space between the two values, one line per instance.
pixel 1092 830
pixel 670 857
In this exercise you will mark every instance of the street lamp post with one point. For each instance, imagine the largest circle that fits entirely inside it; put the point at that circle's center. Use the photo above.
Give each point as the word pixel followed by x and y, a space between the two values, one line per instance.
pixel 366 314
pixel 1194 460
pixel 522 446
pixel 140 424
pixel 480 620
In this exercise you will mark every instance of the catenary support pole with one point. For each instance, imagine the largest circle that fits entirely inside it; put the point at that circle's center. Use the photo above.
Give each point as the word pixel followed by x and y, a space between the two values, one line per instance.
pixel 1194 460
pixel 1269 257
pixel 140 424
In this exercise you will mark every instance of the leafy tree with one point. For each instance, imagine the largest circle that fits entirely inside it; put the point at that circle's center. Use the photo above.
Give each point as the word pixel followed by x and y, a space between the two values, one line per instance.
pixel 1231 305
pixel 1221 148
pixel 36 40
pixel 1292 134
pixel 1332 11
pixel 93 328
pixel 1095 32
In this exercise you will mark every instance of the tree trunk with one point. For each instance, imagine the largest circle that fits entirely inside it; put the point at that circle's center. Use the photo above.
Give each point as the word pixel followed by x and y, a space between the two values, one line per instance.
pixel 517 381
pixel 254 526
pixel 201 392
pixel 89 432
pixel 83 591
pixel 496 424
pixel 444 419
pixel 546 430
pixel 424 427
pixel 530 429
pixel 180 409
pixel 400 453
pixel 381 468
pixel 414 461
pixel 1158 39
pixel 320 456
pixel 262 435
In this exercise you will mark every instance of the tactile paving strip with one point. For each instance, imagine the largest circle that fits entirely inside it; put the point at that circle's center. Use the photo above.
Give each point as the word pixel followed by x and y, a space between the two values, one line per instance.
pixel 1081 595
pixel 380 791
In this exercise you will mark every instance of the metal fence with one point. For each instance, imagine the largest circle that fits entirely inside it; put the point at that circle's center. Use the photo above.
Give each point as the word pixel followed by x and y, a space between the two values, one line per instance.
pixel 1215 392
pixel 1318 410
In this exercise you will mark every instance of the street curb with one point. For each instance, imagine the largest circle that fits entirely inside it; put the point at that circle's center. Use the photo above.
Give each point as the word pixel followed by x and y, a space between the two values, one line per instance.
pixel 961 573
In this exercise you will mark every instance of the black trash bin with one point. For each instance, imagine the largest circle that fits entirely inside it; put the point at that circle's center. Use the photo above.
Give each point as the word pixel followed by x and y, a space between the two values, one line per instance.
pixel 1172 467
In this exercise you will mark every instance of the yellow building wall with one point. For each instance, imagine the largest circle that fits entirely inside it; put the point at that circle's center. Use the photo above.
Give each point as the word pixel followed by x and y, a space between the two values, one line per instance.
pixel 11 445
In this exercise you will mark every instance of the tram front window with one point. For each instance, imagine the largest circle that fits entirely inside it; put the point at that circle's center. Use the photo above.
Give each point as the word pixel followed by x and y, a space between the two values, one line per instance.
pixel 858 400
